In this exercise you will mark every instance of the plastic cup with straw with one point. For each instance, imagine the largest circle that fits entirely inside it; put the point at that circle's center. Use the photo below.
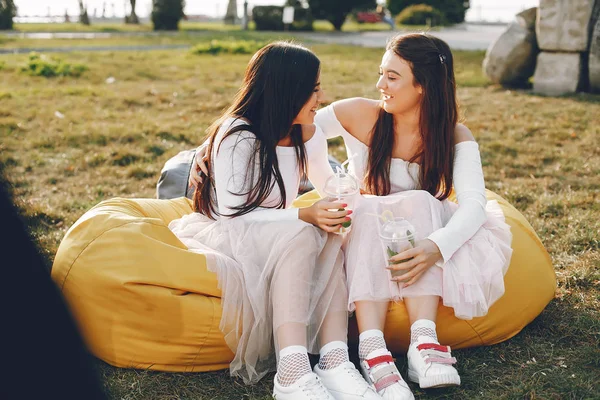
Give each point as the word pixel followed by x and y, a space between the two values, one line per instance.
pixel 397 235
pixel 342 187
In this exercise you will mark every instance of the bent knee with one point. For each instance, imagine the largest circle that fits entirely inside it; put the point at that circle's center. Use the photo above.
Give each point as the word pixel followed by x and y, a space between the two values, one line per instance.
pixel 305 235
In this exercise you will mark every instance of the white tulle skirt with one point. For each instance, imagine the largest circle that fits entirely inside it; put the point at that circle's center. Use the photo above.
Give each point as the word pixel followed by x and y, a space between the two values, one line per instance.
pixel 270 274
pixel 470 281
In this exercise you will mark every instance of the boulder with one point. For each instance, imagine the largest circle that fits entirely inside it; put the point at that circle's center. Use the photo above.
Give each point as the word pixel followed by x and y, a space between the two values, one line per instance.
pixel 563 25
pixel 594 59
pixel 510 60
pixel 527 18
pixel 557 73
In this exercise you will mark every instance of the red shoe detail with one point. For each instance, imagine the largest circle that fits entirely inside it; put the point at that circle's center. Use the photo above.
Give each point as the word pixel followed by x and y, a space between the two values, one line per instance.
pixel 387 381
pixel 379 360
pixel 434 346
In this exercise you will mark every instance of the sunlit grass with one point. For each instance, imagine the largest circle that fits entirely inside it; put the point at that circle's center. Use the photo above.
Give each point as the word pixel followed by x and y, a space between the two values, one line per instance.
pixel 67 143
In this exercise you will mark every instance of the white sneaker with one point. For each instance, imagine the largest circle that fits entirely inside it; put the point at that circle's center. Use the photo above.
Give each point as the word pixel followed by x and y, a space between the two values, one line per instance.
pixel 309 387
pixel 430 364
pixel 381 372
pixel 344 382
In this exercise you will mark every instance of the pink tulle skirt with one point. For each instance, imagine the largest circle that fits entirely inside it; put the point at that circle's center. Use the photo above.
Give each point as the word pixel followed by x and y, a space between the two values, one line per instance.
pixel 469 282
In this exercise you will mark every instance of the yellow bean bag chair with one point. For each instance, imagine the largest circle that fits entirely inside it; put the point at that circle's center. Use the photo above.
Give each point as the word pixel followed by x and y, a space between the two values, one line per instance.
pixel 143 301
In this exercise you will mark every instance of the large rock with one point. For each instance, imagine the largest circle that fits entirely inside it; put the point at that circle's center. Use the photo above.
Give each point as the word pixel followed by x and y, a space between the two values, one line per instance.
pixel 527 18
pixel 510 60
pixel 563 25
pixel 594 59
pixel 557 73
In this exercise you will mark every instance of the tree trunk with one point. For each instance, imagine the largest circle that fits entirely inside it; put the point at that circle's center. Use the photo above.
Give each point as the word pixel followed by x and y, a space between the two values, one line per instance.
pixel 83 14
pixel 7 12
pixel 338 21
pixel 231 16
pixel 133 18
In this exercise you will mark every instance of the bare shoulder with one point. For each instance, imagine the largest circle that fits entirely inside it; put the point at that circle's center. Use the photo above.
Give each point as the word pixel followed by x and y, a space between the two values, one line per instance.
pixel 462 134
pixel 357 113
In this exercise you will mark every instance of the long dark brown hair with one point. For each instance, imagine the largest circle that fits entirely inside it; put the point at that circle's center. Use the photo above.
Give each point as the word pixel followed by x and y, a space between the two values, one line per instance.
pixel 279 80
pixel 432 65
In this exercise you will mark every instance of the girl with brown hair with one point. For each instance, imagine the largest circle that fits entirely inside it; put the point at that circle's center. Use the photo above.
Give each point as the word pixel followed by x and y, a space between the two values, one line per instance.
pixel 410 152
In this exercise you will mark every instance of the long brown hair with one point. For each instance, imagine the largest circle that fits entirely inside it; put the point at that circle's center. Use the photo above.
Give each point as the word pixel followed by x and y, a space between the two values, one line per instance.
pixel 279 80
pixel 432 65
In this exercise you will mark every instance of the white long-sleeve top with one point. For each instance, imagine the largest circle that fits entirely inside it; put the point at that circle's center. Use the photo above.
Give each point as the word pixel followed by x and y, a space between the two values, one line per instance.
pixel 231 156
pixel 469 184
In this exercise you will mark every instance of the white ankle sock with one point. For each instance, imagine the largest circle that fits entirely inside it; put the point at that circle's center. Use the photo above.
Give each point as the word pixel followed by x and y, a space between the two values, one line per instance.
pixel 333 354
pixel 369 341
pixel 293 365
pixel 422 327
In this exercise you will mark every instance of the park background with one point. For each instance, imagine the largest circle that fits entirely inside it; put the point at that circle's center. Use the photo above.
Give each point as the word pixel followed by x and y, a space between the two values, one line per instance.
pixel 99 108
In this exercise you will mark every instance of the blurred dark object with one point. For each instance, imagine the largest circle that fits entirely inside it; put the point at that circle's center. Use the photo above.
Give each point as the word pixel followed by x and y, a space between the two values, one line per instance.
pixel 44 356
pixel 166 14
pixel 8 11
pixel 270 18
pixel 454 11
pixel 336 11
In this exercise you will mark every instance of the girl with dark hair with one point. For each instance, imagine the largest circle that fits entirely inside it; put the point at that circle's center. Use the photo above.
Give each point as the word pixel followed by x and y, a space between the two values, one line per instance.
pixel 281 276
pixel 410 152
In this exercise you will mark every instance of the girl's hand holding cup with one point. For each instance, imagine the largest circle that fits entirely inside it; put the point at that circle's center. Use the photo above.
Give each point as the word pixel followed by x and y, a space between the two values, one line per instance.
pixel 321 215
pixel 409 265
pixel 342 187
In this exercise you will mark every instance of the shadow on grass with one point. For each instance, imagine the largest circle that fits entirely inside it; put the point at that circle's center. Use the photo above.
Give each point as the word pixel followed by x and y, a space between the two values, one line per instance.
pixel 593 98
pixel 580 97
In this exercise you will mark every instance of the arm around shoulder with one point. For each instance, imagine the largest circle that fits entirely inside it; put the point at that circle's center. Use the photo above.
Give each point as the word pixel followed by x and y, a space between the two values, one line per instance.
pixel 343 116
pixel 463 134
pixel 354 110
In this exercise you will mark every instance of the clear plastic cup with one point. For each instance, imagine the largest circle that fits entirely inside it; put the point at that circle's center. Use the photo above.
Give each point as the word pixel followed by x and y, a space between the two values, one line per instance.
pixel 397 235
pixel 342 188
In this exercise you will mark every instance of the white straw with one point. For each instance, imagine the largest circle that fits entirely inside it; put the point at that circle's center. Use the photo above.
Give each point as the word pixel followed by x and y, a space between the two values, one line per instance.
pixel 346 162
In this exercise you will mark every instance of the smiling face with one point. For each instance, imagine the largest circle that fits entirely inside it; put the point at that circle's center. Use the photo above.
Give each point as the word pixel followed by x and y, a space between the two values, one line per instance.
pixel 306 116
pixel 396 84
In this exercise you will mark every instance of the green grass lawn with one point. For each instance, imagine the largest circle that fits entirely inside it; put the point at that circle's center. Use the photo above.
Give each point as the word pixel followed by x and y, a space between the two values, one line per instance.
pixel 175 38
pixel 319 26
pixel 68 143
pixel 121 27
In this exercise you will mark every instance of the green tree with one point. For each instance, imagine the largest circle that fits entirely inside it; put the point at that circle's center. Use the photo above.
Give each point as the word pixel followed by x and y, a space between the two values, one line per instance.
pixel 336 11
pixel 166 14
pixel 453 10
pixel 8 10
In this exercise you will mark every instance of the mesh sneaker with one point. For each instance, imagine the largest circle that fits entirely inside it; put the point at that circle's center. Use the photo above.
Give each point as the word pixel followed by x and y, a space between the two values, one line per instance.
pixel 308 387
pixel 381 372
pixel 344 382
